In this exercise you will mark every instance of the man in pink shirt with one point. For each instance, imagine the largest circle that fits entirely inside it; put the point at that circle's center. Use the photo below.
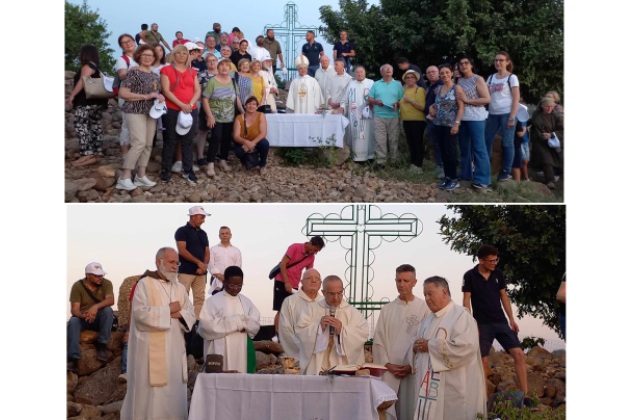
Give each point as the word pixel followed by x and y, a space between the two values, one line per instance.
pixel 296 259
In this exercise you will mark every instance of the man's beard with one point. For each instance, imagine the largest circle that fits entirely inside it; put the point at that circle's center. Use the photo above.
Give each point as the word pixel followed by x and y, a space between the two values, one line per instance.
pixel 169 275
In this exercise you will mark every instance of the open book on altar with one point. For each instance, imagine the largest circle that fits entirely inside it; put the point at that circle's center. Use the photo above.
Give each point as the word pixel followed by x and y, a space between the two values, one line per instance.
pixel 374 370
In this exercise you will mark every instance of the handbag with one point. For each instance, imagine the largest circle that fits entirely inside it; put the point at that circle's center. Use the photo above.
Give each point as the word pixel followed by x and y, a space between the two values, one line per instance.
pixel 266 109
pixel 250 159
pixel 275 270
pixel 96 87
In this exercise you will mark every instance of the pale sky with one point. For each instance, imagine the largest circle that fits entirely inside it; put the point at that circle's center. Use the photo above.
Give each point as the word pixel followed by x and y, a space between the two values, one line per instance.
pixel 125 238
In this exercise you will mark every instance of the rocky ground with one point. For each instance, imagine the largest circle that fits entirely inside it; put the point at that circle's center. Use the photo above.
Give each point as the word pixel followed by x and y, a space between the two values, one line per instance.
pixel 309 182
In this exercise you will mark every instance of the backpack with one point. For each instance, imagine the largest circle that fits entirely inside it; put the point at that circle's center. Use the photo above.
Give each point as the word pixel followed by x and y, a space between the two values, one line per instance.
pixel 508 79
pixel 116 79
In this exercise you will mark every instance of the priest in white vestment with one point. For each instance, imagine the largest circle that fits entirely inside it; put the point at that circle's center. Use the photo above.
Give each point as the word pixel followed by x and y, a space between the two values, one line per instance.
pixel 227 321
pixel 305 95
pixel 292 337
pixel 336 85
pixel 396 331
pixel 323 74
pixel 337 330
pixel 360 136
pixel 161 313
pixel 447 361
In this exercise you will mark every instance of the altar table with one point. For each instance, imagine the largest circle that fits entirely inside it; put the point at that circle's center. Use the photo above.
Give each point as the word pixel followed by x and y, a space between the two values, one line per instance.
pixel 237 396
pixel 305 130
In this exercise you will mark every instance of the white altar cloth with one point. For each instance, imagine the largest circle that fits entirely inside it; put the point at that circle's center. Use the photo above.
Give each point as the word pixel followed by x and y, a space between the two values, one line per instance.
pixel 238 396
pixel 304 130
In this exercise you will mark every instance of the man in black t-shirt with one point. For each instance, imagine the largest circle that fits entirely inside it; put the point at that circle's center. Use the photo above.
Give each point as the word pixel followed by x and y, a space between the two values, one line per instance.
pixel 193 252
pixel 344 49
pixel 484 290
pixel 313 51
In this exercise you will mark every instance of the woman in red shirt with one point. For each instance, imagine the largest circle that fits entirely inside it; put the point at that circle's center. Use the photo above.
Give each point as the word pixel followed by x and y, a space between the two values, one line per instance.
pixel 181 89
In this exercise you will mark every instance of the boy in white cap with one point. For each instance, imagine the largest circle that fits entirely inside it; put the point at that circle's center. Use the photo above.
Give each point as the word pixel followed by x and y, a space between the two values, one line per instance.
pixel 91 300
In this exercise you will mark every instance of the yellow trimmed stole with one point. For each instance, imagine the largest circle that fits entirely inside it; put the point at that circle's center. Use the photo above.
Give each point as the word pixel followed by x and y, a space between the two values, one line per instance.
pixel 157 340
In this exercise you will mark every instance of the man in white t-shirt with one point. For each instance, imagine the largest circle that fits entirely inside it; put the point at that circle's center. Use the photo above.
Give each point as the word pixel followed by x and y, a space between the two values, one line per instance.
pixel 223 255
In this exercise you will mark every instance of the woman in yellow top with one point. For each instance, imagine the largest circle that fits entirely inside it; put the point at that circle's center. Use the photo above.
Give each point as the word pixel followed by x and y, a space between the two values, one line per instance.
pixel 249 132
pixel 260 82
pixel 413 119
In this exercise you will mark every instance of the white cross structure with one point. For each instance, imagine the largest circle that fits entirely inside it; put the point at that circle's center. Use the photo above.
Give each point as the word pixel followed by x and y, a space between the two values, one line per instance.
pixel 357 227
pixel 289 33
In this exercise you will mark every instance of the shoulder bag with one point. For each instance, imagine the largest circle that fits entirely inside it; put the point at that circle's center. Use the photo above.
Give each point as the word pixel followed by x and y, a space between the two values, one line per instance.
pixel 98 87
pixel 275 270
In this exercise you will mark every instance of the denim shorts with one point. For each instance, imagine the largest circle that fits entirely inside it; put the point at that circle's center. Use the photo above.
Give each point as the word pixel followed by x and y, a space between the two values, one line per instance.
pixel 525 151
pixel 507 338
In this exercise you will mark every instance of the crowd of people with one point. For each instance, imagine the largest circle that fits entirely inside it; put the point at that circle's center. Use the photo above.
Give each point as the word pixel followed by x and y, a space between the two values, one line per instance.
pixel 422 343
pixel 459 111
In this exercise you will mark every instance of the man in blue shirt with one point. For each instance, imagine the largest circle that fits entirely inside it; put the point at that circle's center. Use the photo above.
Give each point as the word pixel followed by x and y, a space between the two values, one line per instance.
pixel 313 51
pixel 384 98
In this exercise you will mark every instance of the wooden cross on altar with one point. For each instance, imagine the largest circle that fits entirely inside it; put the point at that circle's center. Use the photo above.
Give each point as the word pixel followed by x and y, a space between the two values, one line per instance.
pixel 289 33
pixel 357 226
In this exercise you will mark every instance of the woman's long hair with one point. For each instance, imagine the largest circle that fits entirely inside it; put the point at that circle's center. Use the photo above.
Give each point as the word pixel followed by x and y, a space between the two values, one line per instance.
pixel 89 53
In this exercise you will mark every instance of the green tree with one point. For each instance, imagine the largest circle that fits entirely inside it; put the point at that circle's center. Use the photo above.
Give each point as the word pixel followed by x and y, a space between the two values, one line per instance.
pixel 84 26
pixel 436 31
pixel 532 245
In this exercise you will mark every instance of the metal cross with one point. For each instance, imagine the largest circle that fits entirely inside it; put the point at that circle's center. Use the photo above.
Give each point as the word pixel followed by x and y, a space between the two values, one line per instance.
pixel 359 227
pixel 289 33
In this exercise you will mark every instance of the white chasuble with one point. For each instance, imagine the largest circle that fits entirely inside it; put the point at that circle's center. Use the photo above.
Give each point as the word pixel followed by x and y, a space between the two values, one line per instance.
pixel 336 87
pixel 450 375
pixel 297 342
pixel 157 360
pixel 305 96
pixel 395 333
pixel 346 348
pixel 360 135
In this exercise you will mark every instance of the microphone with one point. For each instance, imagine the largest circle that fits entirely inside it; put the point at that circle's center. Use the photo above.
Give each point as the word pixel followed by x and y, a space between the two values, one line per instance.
pixel 332 312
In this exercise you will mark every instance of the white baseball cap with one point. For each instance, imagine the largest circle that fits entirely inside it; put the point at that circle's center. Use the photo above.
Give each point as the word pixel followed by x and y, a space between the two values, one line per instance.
pixel 192 46
pixel 158 109
pixel 95 269
pixel 184 123
pixel 198 210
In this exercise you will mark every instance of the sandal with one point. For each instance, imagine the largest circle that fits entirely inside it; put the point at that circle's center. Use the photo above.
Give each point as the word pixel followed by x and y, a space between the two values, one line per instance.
pixel 89 161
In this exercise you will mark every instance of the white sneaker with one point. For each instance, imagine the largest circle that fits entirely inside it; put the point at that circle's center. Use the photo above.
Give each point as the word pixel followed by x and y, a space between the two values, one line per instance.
pixel 224 165
pixel 275 339
pixel 211 172
pixel 122 378
pixel 195 168
pixel 125 184
pixel 143 182
pixel 177 167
